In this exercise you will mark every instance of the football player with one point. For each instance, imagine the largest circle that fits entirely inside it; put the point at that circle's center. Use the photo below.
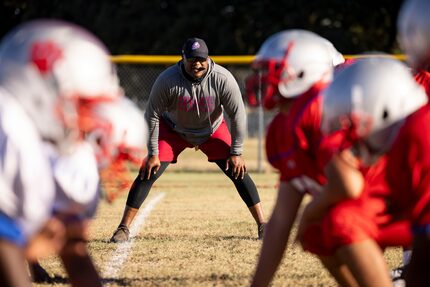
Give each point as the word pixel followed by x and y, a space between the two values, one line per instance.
pixel 49 71
pixel 364 106
pixel 413 33
pixel 295 65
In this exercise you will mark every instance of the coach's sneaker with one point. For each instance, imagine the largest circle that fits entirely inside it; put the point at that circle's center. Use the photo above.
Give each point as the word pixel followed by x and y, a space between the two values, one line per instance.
pixel 261 231
pixel 121 234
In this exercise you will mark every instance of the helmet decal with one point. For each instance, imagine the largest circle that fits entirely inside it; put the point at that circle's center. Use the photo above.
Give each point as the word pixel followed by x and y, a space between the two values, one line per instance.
pixel 44 55
pixel 290 63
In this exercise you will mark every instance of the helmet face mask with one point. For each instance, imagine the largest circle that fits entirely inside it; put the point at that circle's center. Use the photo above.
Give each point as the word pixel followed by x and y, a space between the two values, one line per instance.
pixel 369 101
pixel 265 80
pixel 368 146
pixel 48 65
pixel 117 130
pixel 291 62
pixel 126 144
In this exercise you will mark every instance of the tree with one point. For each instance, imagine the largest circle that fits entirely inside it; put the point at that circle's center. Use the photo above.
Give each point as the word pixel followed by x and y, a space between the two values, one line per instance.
pixel 229 27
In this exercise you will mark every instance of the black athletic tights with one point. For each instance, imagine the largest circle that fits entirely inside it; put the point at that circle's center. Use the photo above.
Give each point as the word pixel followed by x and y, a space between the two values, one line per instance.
pixel 141 187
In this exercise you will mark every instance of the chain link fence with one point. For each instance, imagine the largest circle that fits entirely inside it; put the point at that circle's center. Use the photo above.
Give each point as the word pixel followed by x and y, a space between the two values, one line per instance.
pixel 137 81
pixel 138 73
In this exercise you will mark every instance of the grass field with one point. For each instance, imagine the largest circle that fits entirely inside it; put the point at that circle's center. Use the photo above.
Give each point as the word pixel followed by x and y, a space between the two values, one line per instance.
pixel 198 233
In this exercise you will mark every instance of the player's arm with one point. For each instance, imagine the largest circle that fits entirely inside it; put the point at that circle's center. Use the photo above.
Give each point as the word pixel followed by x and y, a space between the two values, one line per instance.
pixel 13 268
pixel 75 256
pixel 47 241
pixel 344 181
pixel 344 177
pixel 277 233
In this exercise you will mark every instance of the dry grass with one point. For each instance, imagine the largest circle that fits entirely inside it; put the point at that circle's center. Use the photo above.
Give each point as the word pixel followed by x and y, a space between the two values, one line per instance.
pixel 199 234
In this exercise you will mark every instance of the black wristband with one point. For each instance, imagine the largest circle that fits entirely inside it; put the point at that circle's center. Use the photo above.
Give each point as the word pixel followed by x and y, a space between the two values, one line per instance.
pixel 236 154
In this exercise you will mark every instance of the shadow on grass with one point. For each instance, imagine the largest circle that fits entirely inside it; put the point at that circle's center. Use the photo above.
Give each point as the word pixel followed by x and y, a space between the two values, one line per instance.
pixel 174 280
pixel 192 238
pixel 56 279
pixel 167 237
pixel 101 240
pixel 118 281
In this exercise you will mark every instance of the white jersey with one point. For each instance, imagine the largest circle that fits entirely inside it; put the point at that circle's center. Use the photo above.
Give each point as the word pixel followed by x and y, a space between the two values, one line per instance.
pixel 77 181
pixel 26 182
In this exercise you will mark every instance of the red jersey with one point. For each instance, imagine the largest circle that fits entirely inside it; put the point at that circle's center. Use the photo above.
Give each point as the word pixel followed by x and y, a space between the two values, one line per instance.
pixel 354 220
pixel 292 139
pixel 408 172
pixel 422 77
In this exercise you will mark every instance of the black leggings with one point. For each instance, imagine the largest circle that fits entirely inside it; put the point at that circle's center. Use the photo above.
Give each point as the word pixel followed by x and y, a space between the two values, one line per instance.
pixel 141 187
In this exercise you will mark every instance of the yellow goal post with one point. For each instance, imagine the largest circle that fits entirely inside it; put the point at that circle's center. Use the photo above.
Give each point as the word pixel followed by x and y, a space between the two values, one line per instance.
pixel 222 60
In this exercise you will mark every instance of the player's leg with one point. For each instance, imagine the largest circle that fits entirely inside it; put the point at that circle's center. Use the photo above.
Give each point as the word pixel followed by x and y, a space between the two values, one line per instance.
pixel 339 271
pixel 277 233
pixel 347 231
pixel 396 232
pixel 13 269
pixel 366 262
pixel 75 255
pixel 48 240
pixel 319 239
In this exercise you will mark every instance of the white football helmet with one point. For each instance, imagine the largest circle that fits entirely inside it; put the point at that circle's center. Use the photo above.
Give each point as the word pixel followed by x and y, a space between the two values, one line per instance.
pixel 414 31
pixel 368 102
pixel 295 60
pixel 130 131
pixel 120 131
pixel 119 144
pixel 52 67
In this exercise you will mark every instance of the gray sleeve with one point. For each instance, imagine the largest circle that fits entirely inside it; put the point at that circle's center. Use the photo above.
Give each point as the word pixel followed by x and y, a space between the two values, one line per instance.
pixel 231 99
pixel 157 103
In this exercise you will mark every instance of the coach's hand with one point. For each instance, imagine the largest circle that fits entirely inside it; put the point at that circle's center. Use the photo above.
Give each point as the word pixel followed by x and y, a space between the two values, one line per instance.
pixel 152 166
pixel 238 166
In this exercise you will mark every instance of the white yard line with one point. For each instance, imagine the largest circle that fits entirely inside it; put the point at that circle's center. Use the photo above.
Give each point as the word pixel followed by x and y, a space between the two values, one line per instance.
pixel 113 267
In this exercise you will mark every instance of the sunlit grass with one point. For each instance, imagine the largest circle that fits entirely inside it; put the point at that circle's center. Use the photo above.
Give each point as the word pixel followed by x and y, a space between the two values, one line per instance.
pixel 199 234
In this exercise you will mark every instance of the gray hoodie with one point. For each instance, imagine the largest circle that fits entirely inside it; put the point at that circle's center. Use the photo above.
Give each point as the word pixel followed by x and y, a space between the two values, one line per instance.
pixel 195 109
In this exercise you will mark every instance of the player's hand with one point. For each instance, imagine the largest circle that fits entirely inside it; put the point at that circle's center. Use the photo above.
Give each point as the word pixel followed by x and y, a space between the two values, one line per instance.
pixel 48 240
pixel 151 167
pixel 237 164
pixel 312 214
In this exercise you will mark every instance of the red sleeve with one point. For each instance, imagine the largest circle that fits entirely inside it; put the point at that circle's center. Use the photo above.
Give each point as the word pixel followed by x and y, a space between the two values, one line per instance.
pixel 290 146
pixel 422 77
pixel 408 172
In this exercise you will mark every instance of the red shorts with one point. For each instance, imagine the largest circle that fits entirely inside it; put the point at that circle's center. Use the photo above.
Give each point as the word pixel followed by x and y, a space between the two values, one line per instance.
pixel 171 144
pixel 353 221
